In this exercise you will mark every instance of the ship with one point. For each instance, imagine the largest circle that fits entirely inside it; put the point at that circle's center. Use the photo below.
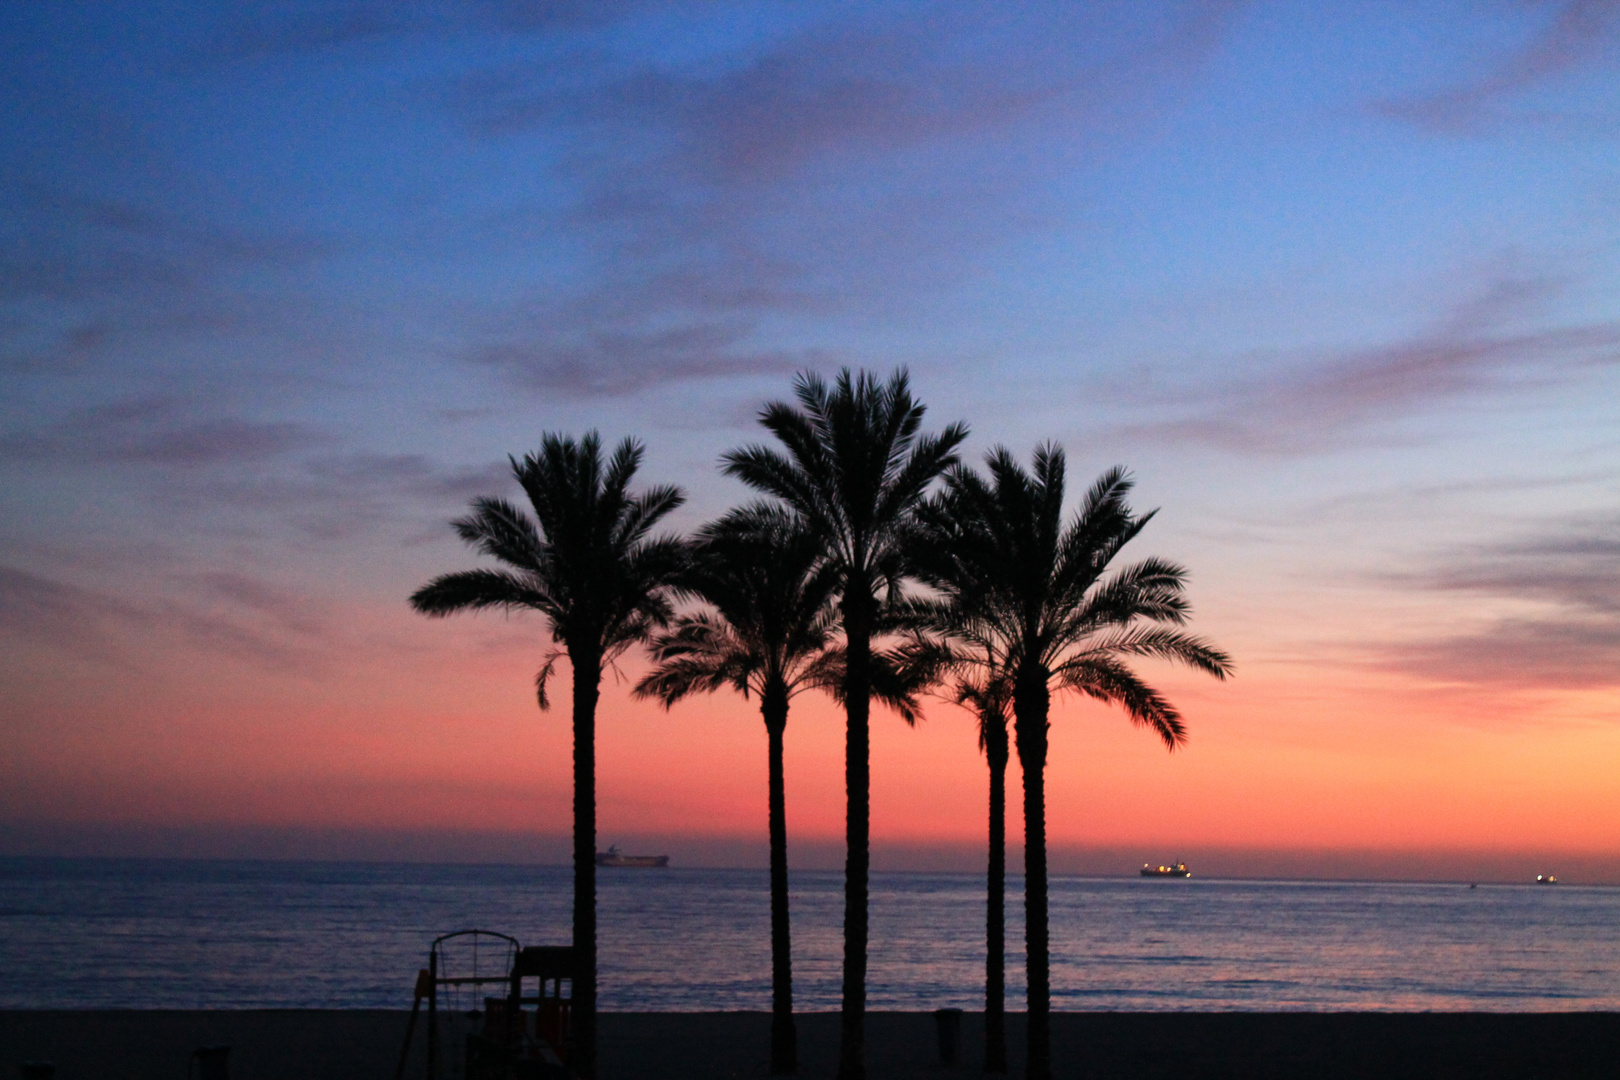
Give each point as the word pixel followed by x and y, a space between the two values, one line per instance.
pixel 1546 879
pixel 613 857
pixel 1177 870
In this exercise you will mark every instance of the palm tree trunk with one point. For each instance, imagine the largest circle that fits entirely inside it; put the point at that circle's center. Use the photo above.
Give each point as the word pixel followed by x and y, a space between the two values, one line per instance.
pixel 857 836
pixel 1030 711
pixel 582 1026
pixel 784 1032
pixel 995 913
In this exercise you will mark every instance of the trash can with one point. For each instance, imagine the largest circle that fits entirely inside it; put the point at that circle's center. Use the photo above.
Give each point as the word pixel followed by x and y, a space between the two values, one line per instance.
pixel 948 1026
pixel 210 1063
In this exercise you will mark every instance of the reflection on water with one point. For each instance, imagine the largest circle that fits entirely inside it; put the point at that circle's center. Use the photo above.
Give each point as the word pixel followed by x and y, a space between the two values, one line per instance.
pixel 131 933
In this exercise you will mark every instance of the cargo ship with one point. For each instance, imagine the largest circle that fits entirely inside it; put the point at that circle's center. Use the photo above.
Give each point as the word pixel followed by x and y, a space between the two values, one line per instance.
pixel 1177 870
pixel 613 857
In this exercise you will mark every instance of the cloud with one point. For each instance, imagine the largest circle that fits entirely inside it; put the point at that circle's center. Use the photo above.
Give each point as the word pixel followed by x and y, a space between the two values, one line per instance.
pixel 159 432
pixel 283 29
pixel 226 614
pixel 1578 34
pixel 1495 340
pixel 1569 638
pixel 861 166
pixel 341 496
pixel 413 476
pixel 868 84
pixel 232 470
pixel 61 616
pixel 610 362
pixel 288 612
pixel 1578 570
pixel 67 246
pixel 83 278
pixel 830 161
pixel 1541 654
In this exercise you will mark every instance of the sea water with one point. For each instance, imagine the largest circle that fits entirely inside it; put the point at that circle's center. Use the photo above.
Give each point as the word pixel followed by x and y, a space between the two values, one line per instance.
pixel 180 934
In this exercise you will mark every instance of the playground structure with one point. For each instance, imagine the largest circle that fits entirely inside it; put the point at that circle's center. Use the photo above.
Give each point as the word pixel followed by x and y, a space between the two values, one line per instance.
pixel 501 1040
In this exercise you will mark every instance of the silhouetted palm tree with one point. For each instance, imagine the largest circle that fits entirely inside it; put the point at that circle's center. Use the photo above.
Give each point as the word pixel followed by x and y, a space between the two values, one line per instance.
pixel 989 696
pixel 1037 596
pixel 588 563
pixel 770 636
pixel 854 467
pixel 977 683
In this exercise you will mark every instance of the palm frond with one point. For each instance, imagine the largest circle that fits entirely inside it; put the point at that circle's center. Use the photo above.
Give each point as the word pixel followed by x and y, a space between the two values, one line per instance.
pixel 502 531
pixel 1159 642
pixel 587 559
pixel 678 677
pixel 1030 596
pixel 542 679
pixel 1111 682
pixel 769 614
pixel 474 590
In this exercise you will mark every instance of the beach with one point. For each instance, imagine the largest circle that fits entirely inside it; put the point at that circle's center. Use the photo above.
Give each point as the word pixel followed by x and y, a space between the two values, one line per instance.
pixel 364 1044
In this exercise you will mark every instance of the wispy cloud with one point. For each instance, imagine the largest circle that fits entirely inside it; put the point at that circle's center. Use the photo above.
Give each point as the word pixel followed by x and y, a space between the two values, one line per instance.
pixel 82 279
pixel 60 616
pixel 230 615
pixel 1540 654
pixel 1574 35
pixel 861 165
pixel 1568 637
pixel 274 30
pixel 339 496
pixel 850 161
pixel 67 246
pixel 156 431
pixel 1499 338
pixel 241 469
pixel 280 30
pixel 609 362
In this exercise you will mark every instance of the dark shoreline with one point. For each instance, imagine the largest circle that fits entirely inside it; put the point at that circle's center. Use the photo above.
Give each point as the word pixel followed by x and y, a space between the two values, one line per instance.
pixel 359 1044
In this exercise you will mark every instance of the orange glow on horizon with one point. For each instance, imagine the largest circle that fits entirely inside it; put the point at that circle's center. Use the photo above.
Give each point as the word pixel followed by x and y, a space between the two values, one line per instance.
pixel 1281 757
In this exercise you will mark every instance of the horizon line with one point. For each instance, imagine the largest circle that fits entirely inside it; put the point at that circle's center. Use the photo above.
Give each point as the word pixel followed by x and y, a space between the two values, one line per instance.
pixel 943 872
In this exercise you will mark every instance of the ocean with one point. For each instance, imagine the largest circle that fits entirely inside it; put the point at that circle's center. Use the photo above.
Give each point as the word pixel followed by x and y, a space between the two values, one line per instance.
pixel 110 933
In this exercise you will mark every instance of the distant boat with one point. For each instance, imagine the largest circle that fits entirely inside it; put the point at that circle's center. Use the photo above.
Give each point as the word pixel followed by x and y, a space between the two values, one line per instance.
pixel 1178 870
pixel 613 857
pixel 1546 879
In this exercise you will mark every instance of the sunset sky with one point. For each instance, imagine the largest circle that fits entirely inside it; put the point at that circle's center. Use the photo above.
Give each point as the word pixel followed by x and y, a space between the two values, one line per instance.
pixel 282 284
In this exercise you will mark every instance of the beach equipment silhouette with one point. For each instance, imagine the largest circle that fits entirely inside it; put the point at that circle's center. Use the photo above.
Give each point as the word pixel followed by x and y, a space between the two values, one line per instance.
pixel 497 1034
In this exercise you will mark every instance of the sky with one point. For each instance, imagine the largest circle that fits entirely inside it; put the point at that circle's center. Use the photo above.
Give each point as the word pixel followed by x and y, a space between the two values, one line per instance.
pixel 283 284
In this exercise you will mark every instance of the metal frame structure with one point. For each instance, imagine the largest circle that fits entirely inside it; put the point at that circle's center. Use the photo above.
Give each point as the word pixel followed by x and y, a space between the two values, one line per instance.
pixel 507 1036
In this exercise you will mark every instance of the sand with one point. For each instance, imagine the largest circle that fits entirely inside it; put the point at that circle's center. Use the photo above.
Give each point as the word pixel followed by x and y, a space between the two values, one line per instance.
pixel 364 1044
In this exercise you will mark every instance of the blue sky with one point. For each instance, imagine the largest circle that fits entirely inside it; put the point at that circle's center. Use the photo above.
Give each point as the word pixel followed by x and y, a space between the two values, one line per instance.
pixel 282 284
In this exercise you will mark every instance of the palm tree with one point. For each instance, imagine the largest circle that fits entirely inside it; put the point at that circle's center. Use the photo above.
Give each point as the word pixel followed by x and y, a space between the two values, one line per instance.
pixel 853 469
pixel 588 562
pixel 988 697
pixel 1037 596
pixel 976 683
pixel 771 636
